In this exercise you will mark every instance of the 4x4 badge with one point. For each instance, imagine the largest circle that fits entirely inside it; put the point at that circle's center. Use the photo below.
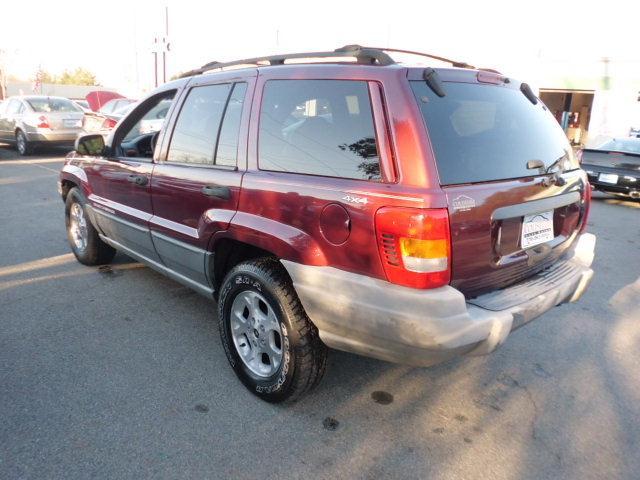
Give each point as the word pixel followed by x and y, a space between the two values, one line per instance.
pixel 463 203
pixel 352 199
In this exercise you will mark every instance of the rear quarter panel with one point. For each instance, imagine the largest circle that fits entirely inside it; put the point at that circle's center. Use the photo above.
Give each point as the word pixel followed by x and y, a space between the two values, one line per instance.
pixel 281 212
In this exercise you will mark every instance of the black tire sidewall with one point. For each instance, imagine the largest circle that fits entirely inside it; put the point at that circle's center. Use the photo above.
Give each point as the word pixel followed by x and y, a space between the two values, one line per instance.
pixel 20 133
pixel 273 388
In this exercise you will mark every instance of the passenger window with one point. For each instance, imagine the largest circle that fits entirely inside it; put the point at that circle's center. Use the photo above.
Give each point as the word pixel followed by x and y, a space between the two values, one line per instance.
pixel 196 131
pixel 140 140
pixel 152 121
pixel 14 107
pixel 227 151
pixel 318 127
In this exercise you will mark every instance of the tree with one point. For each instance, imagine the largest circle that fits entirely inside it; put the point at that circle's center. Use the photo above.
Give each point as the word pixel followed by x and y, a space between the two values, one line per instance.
pixel 79 76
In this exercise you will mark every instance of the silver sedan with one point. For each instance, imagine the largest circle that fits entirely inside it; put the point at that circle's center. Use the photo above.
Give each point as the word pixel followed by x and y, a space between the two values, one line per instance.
pixel 33 120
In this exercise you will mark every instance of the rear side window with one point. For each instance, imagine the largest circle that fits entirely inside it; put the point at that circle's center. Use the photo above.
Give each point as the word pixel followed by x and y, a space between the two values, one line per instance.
pixel 227 151
pixel 318 127
pixel 485 133
pixel 200 135
pixel 14 107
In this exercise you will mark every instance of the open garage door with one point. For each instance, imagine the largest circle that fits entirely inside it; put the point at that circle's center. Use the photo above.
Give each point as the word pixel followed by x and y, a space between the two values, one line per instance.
pixel 572 109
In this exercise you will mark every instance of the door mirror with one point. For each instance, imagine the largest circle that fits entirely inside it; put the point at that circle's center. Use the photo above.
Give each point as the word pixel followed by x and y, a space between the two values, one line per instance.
pixel 90 145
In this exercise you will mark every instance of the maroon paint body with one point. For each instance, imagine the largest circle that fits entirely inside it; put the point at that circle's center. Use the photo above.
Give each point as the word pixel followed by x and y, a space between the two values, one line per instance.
pixel 282 213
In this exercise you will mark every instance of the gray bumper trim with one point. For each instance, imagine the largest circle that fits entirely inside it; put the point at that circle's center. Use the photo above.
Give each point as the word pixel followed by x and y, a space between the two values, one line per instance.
pixel 375 318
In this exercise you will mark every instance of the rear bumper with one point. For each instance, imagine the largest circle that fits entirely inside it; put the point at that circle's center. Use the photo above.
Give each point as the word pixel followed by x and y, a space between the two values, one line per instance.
pixel 627 183
pixel 52 137
pixel 378 319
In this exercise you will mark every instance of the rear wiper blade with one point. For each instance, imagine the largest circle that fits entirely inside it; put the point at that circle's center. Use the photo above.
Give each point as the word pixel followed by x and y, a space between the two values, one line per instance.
pixel 542 170
pixel 433 80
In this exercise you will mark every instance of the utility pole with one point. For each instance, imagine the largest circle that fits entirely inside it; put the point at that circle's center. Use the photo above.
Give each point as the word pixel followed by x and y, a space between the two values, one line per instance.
pixel 3 77
pixel 161 44
pixel 155 62
pixel 165 45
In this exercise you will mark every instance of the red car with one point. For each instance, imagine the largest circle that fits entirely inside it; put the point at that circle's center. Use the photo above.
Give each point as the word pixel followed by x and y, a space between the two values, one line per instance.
pixel 410 214
pixel 107 110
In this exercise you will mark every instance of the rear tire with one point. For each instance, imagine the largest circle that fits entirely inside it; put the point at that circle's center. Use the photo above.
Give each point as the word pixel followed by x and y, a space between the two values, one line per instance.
pixel 278 359
pixel 23 146
pixel 83 238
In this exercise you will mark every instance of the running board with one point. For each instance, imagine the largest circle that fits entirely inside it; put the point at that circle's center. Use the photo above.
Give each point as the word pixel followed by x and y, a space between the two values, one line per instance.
pixel 187 282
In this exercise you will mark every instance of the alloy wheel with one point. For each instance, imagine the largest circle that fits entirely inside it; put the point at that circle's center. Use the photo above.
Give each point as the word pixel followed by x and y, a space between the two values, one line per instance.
pixel 78 227
pixel 256 333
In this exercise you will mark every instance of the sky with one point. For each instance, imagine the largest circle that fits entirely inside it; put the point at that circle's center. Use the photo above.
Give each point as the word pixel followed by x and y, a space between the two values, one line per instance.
pixel 115 43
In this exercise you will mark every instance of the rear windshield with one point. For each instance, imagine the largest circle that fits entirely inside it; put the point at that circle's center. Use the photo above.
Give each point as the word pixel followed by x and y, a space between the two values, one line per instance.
pixel 47 105
pixel 483 133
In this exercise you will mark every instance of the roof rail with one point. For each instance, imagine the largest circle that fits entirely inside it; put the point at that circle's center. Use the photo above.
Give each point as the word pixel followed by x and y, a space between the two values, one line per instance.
pixel 363 55
pixel 453 63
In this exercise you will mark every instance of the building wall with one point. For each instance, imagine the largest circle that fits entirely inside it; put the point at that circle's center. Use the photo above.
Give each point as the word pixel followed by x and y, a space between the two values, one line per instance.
pixel 68 91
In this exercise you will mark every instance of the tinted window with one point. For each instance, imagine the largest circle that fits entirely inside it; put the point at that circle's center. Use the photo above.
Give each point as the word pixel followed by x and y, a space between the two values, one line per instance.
pixel 318 127
pixel 51 104
pixel 485 132
pixel 227 151
pixel 196 130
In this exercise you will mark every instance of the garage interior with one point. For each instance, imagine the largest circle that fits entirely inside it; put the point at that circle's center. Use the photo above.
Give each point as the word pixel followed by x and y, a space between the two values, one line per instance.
pixel 572 109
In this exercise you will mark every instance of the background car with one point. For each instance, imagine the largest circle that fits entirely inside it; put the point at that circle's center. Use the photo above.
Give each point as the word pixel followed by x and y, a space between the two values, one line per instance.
pixel 613 166
pixel 83 104
pixel 34 120
pixel 97 122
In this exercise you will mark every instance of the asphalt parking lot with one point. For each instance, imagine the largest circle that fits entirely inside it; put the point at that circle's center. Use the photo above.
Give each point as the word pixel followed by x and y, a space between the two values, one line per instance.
pixel 119 373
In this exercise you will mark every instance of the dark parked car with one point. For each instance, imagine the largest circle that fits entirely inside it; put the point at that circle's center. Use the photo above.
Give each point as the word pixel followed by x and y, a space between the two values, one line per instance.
pixel 613 166
pixel 405 213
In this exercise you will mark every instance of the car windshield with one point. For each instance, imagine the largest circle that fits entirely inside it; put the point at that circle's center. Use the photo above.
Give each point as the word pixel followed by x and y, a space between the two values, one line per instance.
pixel 617 145
pixel 49 104
pixel 483 133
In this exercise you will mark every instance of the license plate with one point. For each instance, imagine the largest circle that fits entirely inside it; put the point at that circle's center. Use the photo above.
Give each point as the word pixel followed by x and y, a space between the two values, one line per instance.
pixel 536 229
pixel 72 123
pixel 608 178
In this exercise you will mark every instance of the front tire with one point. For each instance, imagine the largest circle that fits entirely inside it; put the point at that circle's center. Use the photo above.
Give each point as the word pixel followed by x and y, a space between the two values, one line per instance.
pixel 271 344
pixel 23 146
pixel 83 238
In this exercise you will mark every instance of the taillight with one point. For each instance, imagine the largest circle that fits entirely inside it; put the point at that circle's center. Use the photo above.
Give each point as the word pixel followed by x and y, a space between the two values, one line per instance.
pixel 415 246
pixel 587 207
pixel 109 123
pixel 43 122
pixel 579 156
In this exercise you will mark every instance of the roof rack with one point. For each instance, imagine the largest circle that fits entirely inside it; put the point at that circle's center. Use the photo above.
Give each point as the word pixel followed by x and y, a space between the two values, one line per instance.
pixel 453 63
pixel 363 55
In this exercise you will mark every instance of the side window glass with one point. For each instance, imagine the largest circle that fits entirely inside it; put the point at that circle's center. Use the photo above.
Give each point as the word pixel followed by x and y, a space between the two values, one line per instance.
pixel 140 140
pixel 318 127
pixel 196 130
pixel 14 107
pixel 227 150
pixel 152 121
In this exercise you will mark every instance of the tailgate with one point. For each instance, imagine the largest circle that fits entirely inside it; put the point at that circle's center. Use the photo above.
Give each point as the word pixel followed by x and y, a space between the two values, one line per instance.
pixel 503 232
pixel 516 195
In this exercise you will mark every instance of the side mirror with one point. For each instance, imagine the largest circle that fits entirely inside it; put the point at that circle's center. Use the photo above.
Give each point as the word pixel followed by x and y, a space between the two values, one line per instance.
pixel 90 145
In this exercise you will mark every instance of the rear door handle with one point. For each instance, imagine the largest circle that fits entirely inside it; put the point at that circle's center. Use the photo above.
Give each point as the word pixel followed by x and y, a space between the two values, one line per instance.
pixel 217 191
pixel 141 180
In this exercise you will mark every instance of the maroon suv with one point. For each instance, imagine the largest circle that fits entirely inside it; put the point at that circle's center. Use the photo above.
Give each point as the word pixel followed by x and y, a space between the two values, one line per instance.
pixel 405 213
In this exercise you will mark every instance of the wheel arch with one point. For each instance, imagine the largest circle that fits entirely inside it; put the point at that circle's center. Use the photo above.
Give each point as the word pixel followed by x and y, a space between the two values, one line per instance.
pixel 250 236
